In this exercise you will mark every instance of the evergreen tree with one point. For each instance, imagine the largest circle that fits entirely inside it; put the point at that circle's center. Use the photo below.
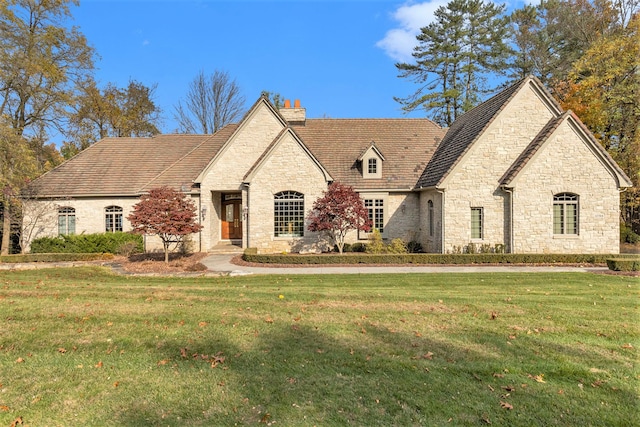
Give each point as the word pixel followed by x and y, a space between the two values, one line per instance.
pixel 454 57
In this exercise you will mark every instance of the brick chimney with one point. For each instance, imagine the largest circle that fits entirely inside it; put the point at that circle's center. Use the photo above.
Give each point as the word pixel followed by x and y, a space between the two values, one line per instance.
pixel 296 115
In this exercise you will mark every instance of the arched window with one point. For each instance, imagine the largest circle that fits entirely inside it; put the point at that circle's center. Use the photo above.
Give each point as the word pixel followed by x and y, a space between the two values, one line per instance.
pixel 113 218
pixel 430 211
pixel 66 220
pixel 288 214
pixel 565 213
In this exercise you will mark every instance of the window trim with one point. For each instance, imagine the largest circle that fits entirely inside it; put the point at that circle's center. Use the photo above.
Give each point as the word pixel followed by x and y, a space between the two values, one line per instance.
pixel 292 203
pixel 67 212
pixel 363 235
pixel 113 219
pixel 563 201
pixel 431 219
pixel 480 223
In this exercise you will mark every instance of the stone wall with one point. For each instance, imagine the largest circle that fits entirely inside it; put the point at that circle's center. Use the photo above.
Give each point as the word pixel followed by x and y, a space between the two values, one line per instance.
pixel 474 182
pixel 566 164
pixel 287 168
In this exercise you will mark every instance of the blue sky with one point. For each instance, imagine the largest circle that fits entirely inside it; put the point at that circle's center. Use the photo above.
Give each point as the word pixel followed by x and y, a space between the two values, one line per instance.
pixel 337 57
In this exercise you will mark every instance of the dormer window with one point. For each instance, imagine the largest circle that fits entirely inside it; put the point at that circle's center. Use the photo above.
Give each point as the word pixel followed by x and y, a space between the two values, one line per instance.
pixel 371 162
pixel 372 167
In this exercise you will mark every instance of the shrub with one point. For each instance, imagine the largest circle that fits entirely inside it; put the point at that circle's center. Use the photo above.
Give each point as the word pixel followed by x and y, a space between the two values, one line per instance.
pixel 414 247
pixel 397 246
pixel 86 243
pixel 624 264
pixel 627 235
pixel 55 257
pixel 376 245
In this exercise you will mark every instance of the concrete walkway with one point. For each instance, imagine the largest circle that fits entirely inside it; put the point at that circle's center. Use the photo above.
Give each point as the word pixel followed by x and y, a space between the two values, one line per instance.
pixel 221 263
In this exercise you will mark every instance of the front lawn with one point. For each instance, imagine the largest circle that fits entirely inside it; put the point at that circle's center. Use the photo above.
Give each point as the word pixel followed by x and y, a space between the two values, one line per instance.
pixel 85 347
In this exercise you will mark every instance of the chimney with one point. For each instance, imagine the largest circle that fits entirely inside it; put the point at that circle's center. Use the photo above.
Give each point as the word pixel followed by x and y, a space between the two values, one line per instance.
pixel 296 115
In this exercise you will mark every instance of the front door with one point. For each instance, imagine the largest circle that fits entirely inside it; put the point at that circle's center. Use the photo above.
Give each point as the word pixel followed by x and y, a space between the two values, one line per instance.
pixel 231 219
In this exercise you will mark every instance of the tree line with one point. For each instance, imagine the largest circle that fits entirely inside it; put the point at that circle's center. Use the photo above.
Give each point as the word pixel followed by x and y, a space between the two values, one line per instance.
pixel 585 51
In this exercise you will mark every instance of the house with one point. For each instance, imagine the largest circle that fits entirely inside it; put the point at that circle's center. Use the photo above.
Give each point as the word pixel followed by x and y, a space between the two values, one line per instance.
pixel 516 173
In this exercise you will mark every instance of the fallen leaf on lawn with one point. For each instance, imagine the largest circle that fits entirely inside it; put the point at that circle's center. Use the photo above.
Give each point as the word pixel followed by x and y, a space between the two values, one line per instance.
pixel 627 345
pixel 265 418
pixel 17 421
pixel 494 315
pixel 116 384
pixel 163 362
pixel 19 360
pixel 498 375
pixel 417 334
pixel 99 364
pixel 428 355
pixel 202 324
pixel 62 350
pixel 506 405
pixel 268 319
pixel 508 388
pixel 183 353
pixel 4 408
pixel 538 378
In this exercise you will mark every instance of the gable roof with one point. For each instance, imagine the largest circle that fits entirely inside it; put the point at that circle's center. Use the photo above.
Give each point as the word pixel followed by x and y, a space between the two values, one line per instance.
pixel 276 141
pixel 543 136
pixel 129 166
pixel 407 144
pixel 467 128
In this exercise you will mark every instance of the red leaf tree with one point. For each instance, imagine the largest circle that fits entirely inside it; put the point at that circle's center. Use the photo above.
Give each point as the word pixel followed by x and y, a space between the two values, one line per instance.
pixel 166 213
pixel 339 211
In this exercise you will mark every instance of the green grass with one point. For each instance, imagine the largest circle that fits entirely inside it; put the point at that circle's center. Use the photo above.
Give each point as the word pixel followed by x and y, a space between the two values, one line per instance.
pixel 84 347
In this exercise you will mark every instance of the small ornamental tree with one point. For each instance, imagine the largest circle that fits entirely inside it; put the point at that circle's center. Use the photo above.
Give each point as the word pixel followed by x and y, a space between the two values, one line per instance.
pixel 339 211
pixel 166 213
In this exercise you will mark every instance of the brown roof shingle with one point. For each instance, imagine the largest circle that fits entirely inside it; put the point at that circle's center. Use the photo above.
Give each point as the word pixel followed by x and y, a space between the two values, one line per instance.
pixel 129 166
pixel 407 144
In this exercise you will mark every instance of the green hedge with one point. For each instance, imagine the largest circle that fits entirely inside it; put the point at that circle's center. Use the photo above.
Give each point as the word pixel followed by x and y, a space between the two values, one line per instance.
pixel 55 257
pixel 624 264
pixel 114 243
pixel 250 255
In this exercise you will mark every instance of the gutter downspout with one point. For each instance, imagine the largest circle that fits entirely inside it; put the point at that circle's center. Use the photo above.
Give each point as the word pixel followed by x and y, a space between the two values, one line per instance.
pixel 442 228
pixel 511 228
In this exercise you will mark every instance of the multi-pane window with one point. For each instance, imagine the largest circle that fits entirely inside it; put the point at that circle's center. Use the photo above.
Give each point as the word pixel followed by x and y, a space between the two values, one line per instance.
pixel 376 213
pixel 372 166
pixel 565 213
pixel 430 212
pixel 113 218
pixel 288 214
pixel 476 223
pixel 66 220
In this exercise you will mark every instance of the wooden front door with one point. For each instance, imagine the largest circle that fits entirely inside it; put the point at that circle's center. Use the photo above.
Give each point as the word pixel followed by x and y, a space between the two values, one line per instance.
pixel 232 219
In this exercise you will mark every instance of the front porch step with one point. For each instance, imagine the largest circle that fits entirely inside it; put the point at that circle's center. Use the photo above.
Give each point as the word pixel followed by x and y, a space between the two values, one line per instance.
pixel 227 248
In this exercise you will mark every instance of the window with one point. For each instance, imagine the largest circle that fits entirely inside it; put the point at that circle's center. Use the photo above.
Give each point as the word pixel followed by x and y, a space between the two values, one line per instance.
pixel 376 213
pixel 476 223
pixel 565 213
pixel 113 218
pixel 430 212
pixel 372 166
pixel 66 220
pixel 288 209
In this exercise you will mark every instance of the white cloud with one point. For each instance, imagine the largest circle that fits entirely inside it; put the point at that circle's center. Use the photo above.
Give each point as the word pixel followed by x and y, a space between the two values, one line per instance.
pixel 399 42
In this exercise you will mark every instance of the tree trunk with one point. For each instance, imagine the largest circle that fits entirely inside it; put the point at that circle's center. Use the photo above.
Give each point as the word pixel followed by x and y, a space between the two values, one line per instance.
pixel 166 252
pixel 6 228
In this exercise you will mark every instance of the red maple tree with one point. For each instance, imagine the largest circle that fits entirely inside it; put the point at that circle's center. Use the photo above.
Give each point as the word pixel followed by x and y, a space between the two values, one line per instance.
pixel 339 211
pixel 166 213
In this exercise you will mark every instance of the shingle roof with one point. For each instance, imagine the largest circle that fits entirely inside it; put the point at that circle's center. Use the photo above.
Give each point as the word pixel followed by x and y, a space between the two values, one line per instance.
pixel 407 144
pixel 128 166
pixel 463 133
